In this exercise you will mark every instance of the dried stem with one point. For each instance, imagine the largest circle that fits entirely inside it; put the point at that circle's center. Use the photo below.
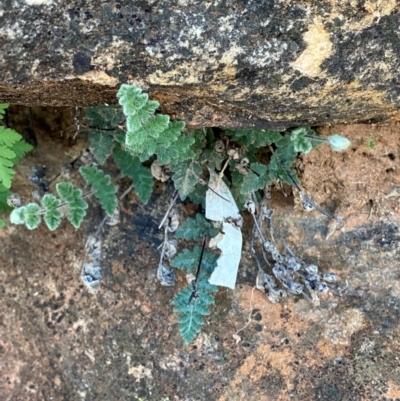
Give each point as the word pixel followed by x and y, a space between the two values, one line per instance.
pixel 169 209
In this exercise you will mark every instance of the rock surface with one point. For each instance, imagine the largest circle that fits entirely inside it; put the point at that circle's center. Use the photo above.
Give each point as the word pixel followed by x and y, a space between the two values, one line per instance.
pixel 60 342
pixel 233 64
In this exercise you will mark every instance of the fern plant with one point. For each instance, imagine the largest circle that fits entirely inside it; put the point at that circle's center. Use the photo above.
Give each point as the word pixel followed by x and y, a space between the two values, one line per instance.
pixel 135 134
pixel 149 134
pixel 70 204
pixel 12 149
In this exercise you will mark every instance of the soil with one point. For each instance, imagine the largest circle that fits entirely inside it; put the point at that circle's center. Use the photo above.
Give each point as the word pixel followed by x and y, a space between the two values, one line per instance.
pixel 58 341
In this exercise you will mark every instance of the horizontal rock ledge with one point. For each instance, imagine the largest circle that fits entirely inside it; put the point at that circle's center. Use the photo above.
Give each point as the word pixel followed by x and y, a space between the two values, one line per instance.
pixel 262 64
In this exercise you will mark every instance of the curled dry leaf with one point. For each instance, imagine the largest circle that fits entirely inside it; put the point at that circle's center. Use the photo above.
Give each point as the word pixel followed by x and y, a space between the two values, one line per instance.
pixel 14 200
pixel 237 222
pixel 161 173
pixel 250 206
pixel 233 154
pixel 261 281
pixel 305 203
pixel 36 195
pixel 333 225
pixel 165 275
pixel 243 165
pixel 90 276
pixel 87 158
pixel 329 277
pixel 237 338
pixel 92 242
pixel 219 146
pixel 65 172
pixel 173 221
pixel 170 248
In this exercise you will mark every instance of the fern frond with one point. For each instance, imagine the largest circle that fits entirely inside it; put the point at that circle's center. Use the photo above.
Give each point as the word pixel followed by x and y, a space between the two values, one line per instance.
pixel 213 159
pixel 190 315
pixel 12 149
pixel 198 195
pixel 52 214
pixel 256 178
pixel 185 177
pixel 76 205
pixel 253 139
pixel 131 167
pixel 149 134
pixel 188 260
pixel 101 144
pixel 105 117
pixel 237 184
pixel 194 229
pixel 20 148
pixel 178 152
pixel 285 157
pixel 131 98
pixel 8 137
pixel 200 139
pixel 28 215
pixel 102 187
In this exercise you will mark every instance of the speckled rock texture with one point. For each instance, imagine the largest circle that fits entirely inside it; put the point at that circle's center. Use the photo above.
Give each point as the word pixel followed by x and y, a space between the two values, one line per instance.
pixel 269 63
pixel 60 342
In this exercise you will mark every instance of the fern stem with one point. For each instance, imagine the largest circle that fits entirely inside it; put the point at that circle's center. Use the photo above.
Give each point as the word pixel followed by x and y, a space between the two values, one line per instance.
pixel 317 138
pixel 221 174
pixel 43 211
pixel 169 209
pixel 100 226
pixel 126 192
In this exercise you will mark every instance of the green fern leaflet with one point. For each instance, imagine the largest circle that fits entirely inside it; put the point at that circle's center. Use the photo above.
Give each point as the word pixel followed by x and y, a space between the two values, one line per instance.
pixel 190 315
pixel 73 198
pixel 52 215
pixel 132 167
pixel 149 133
pixel 102 187
pixel 194 229
pixel 188 260
pixel 28 215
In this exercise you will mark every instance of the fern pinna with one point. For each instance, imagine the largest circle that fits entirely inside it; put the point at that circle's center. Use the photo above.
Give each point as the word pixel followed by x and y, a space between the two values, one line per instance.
pixel 70 203
pixel 151 134
pixel 12 150
pixel 191 311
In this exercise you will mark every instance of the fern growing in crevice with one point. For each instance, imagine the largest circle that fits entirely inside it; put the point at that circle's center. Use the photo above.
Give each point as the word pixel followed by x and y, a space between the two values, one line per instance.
pixel 151 134
pixel 247 162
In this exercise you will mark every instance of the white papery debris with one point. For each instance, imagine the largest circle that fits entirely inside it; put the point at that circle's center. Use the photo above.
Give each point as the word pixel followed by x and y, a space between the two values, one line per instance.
pixel 220 206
